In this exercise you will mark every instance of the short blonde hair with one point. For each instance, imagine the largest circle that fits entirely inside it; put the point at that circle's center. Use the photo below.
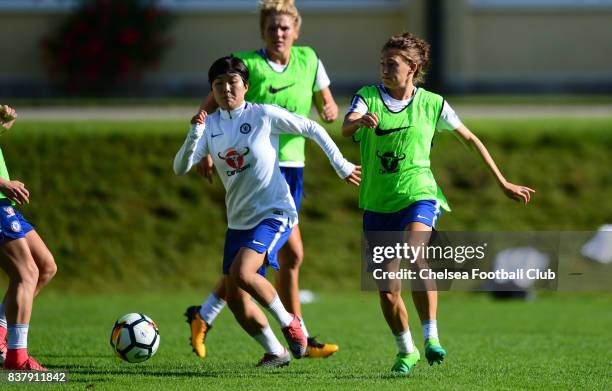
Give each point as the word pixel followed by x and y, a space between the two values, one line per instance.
pixel 414 50
pixel 275 7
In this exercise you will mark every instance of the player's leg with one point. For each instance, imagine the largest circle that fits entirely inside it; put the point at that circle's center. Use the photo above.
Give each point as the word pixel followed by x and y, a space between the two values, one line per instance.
pixel 382 229
pixel 244 273
pixel 43 258
pixel 291 257
pixel 46 270
pixel 254 322
pixel 424 294
pixel 22 271
pixel 395 314
pixel 200 318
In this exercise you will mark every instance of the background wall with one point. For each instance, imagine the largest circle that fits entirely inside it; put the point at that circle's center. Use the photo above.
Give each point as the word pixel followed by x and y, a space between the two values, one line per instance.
pixel 483 45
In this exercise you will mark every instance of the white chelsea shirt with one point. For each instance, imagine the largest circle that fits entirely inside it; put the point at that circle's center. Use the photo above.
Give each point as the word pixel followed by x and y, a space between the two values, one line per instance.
pixel 244 145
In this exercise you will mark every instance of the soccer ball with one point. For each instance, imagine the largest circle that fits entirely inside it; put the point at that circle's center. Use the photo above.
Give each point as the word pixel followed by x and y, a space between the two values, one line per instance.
pixel 135 337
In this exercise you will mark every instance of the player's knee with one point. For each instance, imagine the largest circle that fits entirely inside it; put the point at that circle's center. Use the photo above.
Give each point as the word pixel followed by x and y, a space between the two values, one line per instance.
pixel 389 297
pixel 47 268
pixel 241 276
pixel 292 258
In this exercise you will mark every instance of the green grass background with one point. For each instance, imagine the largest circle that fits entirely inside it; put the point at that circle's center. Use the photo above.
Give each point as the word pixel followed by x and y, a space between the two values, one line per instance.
pixel 106 201
pixel 128 235
pixel 557 342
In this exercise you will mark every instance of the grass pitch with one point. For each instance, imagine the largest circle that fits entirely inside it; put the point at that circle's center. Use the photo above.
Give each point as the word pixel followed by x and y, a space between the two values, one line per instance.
pixel 555 342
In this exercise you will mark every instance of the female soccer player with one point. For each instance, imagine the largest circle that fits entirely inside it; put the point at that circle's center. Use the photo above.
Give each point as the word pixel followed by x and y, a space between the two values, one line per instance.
pixel 291 77
pixel 395 122
pixel 27 262
pixel 243 139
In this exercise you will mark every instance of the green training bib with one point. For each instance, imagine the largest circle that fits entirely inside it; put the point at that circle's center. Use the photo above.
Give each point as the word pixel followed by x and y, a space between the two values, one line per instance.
pixel 395 156
pixel 291 89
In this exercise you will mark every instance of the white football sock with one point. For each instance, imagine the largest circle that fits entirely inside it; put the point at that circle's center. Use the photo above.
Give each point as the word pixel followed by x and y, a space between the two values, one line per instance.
pixel 304 329
pixel 430 329
pixel 277 309
pixel 211 307
pixel 269 342
pixel 18 336
pixel 404 342
pixel 2 316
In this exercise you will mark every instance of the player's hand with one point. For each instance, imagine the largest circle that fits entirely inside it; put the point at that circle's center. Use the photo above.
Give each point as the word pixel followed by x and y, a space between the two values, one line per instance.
pixel 517 193
pixel 369 120
pixel 16 191
pixel 199 118
pixel 8 116
pixel 205 168
pixel 355 177
pixel 329 112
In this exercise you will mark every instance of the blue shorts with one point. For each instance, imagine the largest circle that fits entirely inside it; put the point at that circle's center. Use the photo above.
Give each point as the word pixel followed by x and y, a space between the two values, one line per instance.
pixel 12 224
pixel 267 237
pixel 295 179
pixel 424 211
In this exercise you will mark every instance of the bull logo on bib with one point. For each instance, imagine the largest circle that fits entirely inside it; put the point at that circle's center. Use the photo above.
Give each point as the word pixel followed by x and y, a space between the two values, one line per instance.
pixel 390 162
pixel 235 159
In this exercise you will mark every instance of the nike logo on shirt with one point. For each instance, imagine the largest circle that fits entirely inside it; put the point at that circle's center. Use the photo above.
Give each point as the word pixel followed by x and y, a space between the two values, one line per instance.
pixel 384 132
pixel 215 135
pixel 273 90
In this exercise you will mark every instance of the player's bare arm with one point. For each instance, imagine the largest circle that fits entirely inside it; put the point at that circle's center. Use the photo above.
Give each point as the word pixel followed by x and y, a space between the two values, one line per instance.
pixel 512 191
pixel 326 105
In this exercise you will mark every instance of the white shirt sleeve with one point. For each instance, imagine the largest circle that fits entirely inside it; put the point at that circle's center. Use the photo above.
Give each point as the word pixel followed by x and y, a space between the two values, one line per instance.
pixel 193 150
pixel 358 105
pixel 449 120
pixel 322 81
pixel 283 121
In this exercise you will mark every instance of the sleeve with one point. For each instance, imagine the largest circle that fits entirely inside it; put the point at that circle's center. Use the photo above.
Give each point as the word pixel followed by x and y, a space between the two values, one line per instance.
pixel 322 80
pixel 283 121
pixel 448 120
pixel 192 151
pixel 358 105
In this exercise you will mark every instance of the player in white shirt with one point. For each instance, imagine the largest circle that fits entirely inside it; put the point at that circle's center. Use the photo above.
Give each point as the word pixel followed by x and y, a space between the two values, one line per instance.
pixel 243 139
pixel 292 77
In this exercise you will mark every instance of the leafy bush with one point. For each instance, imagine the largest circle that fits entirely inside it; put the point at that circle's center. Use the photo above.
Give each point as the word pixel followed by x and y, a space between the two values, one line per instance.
pixel 105 42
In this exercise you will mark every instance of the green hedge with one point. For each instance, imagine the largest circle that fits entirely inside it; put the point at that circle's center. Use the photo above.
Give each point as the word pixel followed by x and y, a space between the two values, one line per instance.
pixel 105 198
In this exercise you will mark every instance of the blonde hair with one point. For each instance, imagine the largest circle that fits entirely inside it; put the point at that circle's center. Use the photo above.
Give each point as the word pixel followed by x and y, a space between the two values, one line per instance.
pixel 275 7
pixel 414 50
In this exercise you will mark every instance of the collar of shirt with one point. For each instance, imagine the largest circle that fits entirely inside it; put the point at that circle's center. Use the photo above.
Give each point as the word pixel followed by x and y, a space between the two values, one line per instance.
pixel 395 102
pixel 231 114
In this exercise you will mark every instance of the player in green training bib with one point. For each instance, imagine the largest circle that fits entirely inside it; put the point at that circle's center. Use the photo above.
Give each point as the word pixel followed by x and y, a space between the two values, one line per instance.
pixel 27 262
pixel 292 77
pixel 395 123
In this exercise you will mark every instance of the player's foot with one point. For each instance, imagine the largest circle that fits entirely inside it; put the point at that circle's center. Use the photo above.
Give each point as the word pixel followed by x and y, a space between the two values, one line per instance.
pixel 273 361
pixel 404 362
pixel 199 329
pixel 316 349
pixel 294 335
pixel 3 350
pixel 434 352
pixel 28 365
